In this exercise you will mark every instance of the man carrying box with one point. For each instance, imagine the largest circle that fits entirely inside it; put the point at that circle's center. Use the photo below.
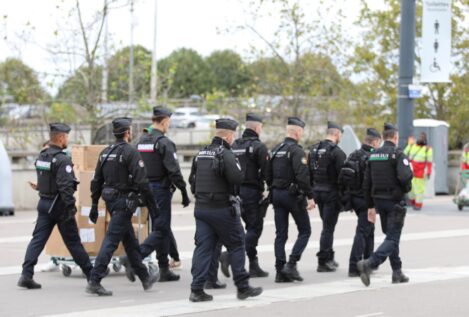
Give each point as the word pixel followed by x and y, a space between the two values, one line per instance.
pixel 56 184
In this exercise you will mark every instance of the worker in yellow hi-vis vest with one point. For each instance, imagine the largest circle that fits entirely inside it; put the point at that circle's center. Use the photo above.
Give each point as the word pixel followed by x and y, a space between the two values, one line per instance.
pixel 421 157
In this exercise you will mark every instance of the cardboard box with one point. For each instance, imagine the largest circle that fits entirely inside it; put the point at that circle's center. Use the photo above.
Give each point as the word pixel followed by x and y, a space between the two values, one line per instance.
pixel 92 235
pixel 83 194
pixel 91 238
pixel 85 157
pixel 140 237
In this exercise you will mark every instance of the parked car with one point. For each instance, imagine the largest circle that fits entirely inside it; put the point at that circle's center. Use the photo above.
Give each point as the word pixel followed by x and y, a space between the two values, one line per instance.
pixel 185 117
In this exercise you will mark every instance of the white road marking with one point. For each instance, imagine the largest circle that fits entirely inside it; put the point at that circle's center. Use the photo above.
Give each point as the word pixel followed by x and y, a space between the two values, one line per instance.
pixel 292 293
pixel 371 315
pixel 313 244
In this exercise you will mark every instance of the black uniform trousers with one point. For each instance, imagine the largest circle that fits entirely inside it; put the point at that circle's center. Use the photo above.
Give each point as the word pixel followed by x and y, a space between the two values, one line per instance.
pixel 253 219
pixel 42 231
pixel 363 243
pixel 214 226
pixel 159 239
pixel 285 204
pixel 329 205
pixel 120 229
pixel 391 224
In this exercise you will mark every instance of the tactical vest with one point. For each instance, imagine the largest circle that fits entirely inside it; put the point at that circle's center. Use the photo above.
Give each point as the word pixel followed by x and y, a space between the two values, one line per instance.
pixel 150 151
pixel 383 174
pixel 46 184
pixel 244 151
pixel 321 165
pixel 282 169
pixel 114 169
pixel 208 178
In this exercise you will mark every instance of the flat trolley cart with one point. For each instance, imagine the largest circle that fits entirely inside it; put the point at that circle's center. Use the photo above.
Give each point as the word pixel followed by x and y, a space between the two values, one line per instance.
pixel 461 197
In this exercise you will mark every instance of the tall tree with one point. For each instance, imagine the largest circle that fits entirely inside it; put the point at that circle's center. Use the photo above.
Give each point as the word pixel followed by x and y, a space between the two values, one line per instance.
pixel 20 82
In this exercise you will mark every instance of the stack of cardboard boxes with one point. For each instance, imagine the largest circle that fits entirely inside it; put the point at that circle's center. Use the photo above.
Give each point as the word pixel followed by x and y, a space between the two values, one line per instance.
pixel 85 158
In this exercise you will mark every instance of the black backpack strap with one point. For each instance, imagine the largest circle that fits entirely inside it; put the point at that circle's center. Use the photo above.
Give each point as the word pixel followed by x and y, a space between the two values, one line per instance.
pixel 158 140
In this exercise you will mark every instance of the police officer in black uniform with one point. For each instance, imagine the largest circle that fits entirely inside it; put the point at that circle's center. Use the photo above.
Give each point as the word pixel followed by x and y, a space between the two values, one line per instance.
pixel 56 184
pixel 325 162
pixel 351 179
pixel 291 194
pixel 159 155
pixel 119 177
pixel 254 159
pixel 215 174
pixel 388 178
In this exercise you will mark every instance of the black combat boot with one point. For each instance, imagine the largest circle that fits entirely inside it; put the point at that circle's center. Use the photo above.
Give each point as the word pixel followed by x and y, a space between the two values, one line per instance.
pixel 255 270
pixel 148 283
pixel 28 282
pixel 290 271
pixel 326 267
pixel 129 271
pixel 214 285
pixel 364 269
pixel 97 288
pixel 249 291
pixel 399 277
pixel 225 264
pixel 200 296
pixel 282 278
pixel 166 275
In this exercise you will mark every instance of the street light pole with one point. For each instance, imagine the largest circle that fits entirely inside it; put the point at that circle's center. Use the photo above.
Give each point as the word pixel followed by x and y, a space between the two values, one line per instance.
pixel 405 105
pixel 154 72
pixel 131 54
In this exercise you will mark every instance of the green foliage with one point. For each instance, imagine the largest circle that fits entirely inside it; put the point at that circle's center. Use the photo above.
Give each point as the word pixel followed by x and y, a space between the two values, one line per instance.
pixel 118 89
pixel 229 73
pixel 21 83
pixel 61 112
pixel 184 73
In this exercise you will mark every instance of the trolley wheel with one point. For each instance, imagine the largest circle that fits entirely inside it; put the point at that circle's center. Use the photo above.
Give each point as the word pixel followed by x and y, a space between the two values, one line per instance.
pixel 66 270
pixel 152 269
pixel 460 207
pixel 116 266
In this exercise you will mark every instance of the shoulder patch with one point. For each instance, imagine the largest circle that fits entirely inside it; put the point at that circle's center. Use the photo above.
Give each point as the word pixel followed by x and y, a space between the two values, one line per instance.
pixel 406 162
pixel 68 169
pixel 304 161
pixel 141 164
pixel 175 156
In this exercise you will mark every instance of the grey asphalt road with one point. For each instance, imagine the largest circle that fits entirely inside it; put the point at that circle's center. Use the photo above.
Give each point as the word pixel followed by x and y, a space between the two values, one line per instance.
pixel 434 250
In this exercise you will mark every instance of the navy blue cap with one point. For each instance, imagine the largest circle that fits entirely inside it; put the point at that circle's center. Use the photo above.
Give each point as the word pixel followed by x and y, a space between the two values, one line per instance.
pixel 161 111
pixel 296 121
pixel 59 127
pixel 226 124
pixel 120 125
pixel 253 117
pixel 373 133
pixel 389 126
pixel 333 125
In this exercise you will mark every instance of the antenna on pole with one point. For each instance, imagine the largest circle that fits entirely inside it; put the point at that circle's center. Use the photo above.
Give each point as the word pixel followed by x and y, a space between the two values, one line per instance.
pixel 154 72
pixel 131 54
pixel 106 54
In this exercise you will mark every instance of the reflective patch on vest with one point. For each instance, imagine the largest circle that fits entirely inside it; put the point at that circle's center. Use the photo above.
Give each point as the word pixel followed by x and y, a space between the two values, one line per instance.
pixel 206 154
pixel 146 148
pixel 141 164
pixel 239 166
pixel 43 165
pixel 239 152
pixel 379 157
pixel 68 169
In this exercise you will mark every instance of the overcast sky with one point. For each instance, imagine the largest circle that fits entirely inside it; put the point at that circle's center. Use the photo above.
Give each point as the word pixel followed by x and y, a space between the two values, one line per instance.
pixel 181 23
